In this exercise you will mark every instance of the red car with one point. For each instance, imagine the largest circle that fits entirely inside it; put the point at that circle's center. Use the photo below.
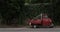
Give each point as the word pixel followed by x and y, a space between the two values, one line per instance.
pixel 44 22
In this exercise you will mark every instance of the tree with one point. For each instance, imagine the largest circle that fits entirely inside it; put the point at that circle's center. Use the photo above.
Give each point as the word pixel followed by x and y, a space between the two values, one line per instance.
pixel 12 9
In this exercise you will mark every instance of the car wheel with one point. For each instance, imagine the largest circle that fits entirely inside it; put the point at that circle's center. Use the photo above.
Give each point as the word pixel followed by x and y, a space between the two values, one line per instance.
pixel 51 26
pixel 34 26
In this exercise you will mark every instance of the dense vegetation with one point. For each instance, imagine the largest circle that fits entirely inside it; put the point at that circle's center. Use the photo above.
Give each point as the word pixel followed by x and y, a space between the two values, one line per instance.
pixel 15 12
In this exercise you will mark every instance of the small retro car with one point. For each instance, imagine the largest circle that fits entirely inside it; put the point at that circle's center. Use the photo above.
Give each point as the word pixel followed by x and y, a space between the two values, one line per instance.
pixel 43 21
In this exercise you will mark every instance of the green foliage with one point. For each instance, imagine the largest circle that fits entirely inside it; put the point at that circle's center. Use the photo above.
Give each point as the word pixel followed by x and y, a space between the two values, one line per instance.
pixel 12 10
pixel 15 9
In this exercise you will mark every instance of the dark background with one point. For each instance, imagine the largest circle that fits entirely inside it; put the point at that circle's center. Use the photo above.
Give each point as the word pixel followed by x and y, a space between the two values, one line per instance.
pixel 15 12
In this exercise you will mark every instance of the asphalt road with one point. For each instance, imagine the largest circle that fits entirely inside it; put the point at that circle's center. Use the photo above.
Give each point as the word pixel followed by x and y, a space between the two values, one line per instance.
pixel 29 29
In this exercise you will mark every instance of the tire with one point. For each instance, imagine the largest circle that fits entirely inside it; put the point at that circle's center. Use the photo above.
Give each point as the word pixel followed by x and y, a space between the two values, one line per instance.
pixel 34 26
pixel 51 26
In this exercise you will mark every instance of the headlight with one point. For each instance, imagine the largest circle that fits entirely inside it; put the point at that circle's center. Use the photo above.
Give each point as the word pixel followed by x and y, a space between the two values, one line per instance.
pixel 29 23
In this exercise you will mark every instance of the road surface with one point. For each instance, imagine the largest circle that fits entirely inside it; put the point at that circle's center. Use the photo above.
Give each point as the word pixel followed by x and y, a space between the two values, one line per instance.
pixel 29 29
